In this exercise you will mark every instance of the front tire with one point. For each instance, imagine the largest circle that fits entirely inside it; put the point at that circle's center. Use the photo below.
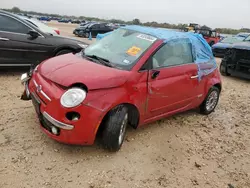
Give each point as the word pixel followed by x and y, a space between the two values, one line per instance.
pixel 210 102
pixel 115 128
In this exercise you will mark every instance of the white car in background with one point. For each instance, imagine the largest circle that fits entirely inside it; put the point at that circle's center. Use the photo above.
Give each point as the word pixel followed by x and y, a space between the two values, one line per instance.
pixel 43 27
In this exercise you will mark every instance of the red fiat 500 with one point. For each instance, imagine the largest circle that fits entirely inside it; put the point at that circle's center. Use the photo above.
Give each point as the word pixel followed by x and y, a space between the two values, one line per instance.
pixel 133 76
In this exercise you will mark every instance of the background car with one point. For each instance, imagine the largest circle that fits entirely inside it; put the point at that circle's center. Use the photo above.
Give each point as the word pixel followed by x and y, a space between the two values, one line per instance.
pixel 23 44
pixel 43 27
pixel 221 47
pixel 237 60
pixel 81 27
pixel 192 27
pixel 76 21
pixel 64 20
pixel 94 29
pixel 211 36
pixel 44 18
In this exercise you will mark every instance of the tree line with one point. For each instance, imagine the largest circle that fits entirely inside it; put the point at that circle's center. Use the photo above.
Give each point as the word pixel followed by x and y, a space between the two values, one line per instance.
pixel 134 21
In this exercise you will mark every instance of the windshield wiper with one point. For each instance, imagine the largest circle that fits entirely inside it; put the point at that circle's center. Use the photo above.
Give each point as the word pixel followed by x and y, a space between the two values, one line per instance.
pixel 103 61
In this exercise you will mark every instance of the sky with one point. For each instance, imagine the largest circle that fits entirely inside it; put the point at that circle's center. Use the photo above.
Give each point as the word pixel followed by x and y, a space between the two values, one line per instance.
pixel 213 13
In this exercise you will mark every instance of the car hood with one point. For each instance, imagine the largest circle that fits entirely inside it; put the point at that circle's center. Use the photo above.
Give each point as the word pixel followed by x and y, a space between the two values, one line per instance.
pixel 70 69
pixel 222 45
pixel 242 45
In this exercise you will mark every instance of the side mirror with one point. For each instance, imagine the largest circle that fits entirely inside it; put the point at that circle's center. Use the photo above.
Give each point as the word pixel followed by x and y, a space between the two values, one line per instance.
pixel 33 34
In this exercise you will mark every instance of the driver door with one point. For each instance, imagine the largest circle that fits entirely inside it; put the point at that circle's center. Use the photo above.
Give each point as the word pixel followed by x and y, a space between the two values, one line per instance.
pixel 173 81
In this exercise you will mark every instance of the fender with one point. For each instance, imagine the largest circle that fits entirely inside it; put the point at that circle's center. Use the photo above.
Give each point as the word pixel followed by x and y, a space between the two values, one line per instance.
pixel 106 99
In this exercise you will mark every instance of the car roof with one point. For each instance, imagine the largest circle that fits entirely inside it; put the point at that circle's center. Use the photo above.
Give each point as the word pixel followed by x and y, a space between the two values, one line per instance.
pixel 201 50
pixel 161 33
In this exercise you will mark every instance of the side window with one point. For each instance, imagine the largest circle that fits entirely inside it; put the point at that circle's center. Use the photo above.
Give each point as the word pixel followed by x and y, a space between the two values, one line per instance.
pixel 95 26
pixel 174 53
pixel 11 25
pixel 102 26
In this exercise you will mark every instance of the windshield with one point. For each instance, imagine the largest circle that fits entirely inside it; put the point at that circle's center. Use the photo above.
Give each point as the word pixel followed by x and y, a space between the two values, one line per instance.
pixel 122 47
pixel 232 40
pixel 91 24
pixel 245 35
pixel 248 38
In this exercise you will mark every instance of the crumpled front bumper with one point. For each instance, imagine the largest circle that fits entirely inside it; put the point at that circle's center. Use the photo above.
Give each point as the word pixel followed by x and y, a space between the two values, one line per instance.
pixel 52 115
pixel 25 81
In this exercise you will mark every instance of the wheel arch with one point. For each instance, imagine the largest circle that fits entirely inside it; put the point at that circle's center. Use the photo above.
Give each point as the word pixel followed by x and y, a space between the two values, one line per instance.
pixel 218 85
pixel 64 48
pixel 134 116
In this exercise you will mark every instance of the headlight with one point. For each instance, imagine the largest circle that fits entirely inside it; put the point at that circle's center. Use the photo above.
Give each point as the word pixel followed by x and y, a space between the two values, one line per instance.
pixel 83 45
pixel 73 97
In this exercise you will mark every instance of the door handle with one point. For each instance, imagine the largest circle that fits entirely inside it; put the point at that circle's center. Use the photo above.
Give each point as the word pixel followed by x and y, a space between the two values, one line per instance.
pixel 4 39
pixel 194 77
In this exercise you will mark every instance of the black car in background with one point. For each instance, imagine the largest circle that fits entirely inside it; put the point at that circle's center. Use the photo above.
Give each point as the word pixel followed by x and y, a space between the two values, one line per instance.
pixel 76 21
pixel 81 27
pixel 236 61
pixel 22 44
pixel 93 28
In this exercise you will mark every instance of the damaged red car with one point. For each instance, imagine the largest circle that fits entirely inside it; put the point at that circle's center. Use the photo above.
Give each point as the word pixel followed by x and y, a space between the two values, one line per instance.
pixel 133 76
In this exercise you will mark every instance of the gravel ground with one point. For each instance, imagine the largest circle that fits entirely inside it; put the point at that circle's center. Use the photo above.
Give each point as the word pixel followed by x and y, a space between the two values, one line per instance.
pixel 187 150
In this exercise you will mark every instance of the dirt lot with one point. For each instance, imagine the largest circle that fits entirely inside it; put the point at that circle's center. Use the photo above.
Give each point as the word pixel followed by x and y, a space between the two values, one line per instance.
pixel 187 150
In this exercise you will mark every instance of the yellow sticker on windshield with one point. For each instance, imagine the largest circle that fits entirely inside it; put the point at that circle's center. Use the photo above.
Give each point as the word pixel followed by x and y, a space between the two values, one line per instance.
pixel 133 51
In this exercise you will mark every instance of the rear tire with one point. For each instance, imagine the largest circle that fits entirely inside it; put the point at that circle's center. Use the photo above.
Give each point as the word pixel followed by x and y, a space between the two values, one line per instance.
pixel 115 128
pixel 211 101
pixel 62 52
